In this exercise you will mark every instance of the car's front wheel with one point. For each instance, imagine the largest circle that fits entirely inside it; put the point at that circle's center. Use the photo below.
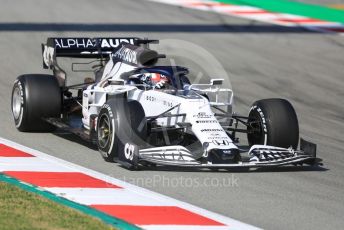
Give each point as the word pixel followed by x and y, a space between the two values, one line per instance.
pixel 120 123
pixel 273 122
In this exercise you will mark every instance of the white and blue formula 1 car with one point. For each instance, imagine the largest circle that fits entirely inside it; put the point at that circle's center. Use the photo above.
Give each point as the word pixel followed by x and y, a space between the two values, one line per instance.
pixel 141 115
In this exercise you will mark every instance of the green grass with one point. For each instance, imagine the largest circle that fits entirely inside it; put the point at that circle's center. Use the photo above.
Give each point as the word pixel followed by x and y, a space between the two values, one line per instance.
pixel 20 209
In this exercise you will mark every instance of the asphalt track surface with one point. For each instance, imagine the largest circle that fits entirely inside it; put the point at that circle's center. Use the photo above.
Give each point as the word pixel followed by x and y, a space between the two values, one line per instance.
pixel 263 61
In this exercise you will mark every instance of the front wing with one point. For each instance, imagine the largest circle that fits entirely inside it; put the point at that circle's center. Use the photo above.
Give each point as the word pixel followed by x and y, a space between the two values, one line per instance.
pixel 259 156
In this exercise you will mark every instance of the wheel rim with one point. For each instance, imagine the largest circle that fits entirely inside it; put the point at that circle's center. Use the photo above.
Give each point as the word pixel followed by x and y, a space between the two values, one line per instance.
pixel 255 129
pixel 16 103
pixel 104 131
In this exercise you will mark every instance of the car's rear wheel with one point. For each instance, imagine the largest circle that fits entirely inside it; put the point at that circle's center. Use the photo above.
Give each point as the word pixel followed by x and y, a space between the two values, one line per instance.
pixel 34 97
pixel 273 122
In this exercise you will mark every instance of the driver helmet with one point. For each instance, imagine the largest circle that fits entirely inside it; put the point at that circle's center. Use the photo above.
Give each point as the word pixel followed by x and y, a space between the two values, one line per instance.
pixel 155 80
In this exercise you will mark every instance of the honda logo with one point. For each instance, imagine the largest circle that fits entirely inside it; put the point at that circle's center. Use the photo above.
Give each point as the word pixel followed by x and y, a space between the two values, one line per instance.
pixel 220 142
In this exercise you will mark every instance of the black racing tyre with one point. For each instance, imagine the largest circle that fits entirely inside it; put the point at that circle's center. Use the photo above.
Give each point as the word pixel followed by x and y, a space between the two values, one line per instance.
pixel 273 122
pixel 138 122
pixel 119 122
pixel 35 96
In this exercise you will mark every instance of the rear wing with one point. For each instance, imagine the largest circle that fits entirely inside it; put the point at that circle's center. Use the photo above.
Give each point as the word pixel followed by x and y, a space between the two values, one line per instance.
pixel 85 47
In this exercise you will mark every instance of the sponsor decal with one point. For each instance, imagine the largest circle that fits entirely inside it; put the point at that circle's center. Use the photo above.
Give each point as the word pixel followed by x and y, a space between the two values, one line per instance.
pixel 217 138
pixel 214 134
pixel 126 54
pixel 48 55
pixel 203 115
pixel 114 43
pixel 64 43
pixel 220 142
pixel 207 121
pixel 211 130
pixel 129 151
pixel 150 98
pixel 167 103
pixel 226 151
pixel 89 43
pixel 164 102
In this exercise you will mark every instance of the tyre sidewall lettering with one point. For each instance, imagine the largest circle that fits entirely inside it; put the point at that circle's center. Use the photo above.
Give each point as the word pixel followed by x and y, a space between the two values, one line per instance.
pixel 104 151
pixel 19 121
pixel 113 127
pixel 108 108
pixel 263 121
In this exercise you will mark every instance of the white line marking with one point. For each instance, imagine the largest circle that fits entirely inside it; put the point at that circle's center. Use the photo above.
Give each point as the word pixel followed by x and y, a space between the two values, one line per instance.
pixel 232 224
pixel 32 164
pixel 184 227
pixel 111 196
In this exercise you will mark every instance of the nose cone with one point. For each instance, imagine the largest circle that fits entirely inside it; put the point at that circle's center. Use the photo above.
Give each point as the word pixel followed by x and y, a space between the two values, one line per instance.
pixel 224 156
